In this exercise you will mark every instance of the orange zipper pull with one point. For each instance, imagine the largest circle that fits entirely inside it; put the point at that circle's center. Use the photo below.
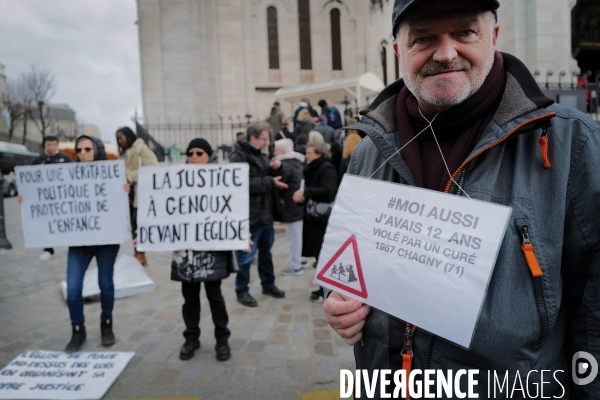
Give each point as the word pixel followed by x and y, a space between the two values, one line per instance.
pixel 530 257
pixel 544 151
pixel 407 353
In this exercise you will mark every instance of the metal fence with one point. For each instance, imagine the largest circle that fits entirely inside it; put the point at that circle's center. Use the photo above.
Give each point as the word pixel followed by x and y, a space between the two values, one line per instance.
pixel 177 134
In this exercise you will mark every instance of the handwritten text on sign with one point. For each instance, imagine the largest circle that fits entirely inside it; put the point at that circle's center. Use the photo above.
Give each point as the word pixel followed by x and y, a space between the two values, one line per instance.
pixel 74 204
pixel 426 257
pixel 56 375
pixel 195 207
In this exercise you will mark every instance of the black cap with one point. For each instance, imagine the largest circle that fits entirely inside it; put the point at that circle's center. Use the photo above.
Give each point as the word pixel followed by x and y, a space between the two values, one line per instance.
pixel 401 7
pixel 200 143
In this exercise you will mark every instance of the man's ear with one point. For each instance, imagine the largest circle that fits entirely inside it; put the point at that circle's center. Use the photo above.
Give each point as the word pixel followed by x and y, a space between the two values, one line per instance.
pixel 395 47
pixel 495 34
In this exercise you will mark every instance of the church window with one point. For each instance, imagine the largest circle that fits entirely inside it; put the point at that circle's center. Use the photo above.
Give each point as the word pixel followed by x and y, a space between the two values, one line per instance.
pixel 273 38
pixel 304 24
pixel 336 40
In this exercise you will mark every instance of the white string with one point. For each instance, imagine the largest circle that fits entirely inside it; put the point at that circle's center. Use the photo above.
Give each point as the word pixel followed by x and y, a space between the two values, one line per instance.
pixel 442 154
pixel 407 143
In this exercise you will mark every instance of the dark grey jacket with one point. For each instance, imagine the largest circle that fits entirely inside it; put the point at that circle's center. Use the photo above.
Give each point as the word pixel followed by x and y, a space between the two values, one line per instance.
pixel 526 323
pixel 292 173
pixel 262 185
pixel 55 159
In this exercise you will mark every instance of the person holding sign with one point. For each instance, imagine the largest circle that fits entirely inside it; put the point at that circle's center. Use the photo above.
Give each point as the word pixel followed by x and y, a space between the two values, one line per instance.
pixel 470 121
pixel 135 153
pixel 191 268
pixel 262 187
pixel 88 149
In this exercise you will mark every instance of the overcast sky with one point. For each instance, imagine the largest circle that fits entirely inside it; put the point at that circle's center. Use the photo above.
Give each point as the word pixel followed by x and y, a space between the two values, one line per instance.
pixel 91 46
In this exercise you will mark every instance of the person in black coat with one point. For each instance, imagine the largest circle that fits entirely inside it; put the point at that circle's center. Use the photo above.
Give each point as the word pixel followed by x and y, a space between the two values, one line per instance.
pixel 51 155
pixel 321 185
pixel 290 165
pixel 191 268
pixel 262 192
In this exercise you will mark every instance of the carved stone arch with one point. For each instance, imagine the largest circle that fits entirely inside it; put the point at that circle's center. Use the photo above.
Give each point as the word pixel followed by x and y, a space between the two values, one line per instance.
pixel 280 5
pixel 342 5
pixel 585 35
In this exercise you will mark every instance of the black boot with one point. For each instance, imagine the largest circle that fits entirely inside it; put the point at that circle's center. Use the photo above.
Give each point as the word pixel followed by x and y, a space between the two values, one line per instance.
pixel 77 339
pixel 188 349
pixel 108 337
pixel 317 294
pixel 223 351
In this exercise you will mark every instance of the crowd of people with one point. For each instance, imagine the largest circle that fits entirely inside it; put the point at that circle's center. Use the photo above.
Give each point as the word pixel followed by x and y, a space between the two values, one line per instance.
pixel 285 177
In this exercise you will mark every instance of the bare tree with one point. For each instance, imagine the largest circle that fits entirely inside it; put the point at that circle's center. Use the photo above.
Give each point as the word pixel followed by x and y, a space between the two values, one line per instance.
pixel 42 86
pixel 16 100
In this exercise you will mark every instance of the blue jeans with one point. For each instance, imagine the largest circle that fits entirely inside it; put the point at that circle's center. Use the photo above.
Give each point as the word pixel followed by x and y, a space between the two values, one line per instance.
pixel 78 260
pixel 263 239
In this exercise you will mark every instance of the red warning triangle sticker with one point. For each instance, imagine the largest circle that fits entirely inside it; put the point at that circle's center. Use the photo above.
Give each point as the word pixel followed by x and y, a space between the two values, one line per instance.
pixel 344 270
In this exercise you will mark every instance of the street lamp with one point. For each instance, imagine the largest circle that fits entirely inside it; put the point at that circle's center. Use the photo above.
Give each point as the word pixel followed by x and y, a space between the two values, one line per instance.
pixel 548 75
pixel 560 75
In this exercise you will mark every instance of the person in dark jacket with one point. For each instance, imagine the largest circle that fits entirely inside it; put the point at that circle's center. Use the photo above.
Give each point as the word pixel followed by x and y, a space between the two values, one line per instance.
pixel 51 155
pixel 304 124
pixel 191 268
pixel 285 133
pixel 275 120
pixel 327 131
pixel 89 149
pixel 291 168
pixel 321 184
pixel 334 118
pixel 304 104
pixel 262 187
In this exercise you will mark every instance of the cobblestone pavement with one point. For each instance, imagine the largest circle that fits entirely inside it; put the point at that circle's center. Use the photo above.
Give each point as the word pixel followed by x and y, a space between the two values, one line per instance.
pixel 282 349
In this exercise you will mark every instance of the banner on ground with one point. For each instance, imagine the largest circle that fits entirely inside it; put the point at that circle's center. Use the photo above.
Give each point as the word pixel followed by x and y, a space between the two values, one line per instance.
pixel 419 255
pixel 75 204
pixel 57 375
pixel 193 207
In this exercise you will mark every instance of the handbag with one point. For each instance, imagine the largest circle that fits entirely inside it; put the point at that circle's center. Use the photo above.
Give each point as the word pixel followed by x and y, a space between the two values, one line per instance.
pixel 317 211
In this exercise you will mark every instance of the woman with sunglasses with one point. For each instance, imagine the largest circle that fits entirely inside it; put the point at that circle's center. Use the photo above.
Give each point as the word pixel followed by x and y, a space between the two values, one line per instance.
pixel 191 268
pixel 88 149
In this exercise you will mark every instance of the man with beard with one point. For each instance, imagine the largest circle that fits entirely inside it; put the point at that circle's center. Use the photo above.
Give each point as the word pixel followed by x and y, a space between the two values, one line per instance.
pixel 468 119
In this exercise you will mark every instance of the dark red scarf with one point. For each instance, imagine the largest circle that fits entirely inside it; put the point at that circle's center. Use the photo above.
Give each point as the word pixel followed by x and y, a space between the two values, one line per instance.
pixel 458 129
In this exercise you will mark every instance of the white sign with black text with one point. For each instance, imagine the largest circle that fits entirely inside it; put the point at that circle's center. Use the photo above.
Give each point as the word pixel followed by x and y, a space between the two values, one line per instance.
pixel 56 375
pixel 419 255
pixel 74 204
pixel 193 207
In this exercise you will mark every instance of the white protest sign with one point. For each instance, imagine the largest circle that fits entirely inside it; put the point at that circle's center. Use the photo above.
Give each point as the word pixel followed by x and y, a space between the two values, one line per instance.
pixel 57 375
pixel 419 255
pixel 74 204
pixel 193 207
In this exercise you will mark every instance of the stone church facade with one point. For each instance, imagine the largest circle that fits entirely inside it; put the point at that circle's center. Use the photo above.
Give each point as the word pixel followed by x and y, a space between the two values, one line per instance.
pixel 219 60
